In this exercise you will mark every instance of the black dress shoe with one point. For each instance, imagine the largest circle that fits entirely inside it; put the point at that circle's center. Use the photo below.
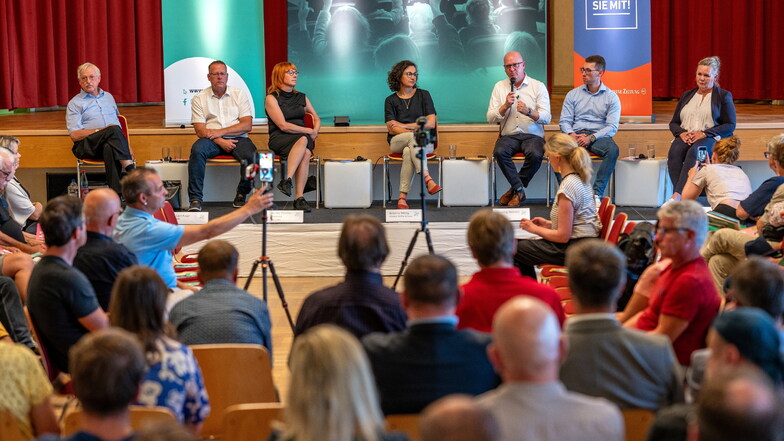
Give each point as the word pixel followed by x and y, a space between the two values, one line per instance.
pixel 285 186
pixel 302 204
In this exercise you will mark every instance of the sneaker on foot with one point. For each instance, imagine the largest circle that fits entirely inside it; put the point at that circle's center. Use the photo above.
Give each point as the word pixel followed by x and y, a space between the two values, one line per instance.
pixel 302 204
pixel 195 206
pixel 285 186
pixel 239 201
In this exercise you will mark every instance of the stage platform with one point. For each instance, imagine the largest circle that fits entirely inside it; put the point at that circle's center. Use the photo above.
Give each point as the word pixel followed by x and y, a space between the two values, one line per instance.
pixel 47 148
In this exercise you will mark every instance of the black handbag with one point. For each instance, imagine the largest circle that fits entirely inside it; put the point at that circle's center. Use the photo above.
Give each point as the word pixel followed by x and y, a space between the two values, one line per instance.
pixel 173 197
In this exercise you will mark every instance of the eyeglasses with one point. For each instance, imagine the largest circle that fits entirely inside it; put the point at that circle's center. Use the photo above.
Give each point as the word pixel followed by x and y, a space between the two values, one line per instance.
pixel 588 70
pixel 6 174
pixel 292 72
pixel 767 155
pixel 89 77
pixel 219 74
pixel 513 65
pixel 660 230
pixel 411 74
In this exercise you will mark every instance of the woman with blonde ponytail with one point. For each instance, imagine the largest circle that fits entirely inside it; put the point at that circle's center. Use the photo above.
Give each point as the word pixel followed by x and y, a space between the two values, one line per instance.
pixel 573 215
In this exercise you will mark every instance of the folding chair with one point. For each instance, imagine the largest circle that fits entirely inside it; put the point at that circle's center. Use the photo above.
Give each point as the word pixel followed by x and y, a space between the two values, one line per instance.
pixel 9 427
pixel 98 163
pixel 141 416
pixel 250 422
pixel 407 423
pixel 517 158
pixel 398 158
pixel 637 423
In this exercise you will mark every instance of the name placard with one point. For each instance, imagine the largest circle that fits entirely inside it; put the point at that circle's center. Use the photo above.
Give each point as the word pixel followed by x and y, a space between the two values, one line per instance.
pixel 514 214
pixel 404 215
pixel 285 216
pixel 192 217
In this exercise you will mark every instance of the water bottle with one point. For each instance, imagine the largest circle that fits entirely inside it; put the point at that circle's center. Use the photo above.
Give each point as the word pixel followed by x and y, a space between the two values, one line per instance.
pixel 73 189
pixel 84 184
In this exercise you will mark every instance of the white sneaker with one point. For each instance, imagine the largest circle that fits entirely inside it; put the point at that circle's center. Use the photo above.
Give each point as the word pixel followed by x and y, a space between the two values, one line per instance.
pixel 598 201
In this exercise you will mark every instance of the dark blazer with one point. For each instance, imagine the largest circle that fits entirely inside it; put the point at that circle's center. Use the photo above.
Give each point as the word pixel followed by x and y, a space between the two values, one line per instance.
pixel 723 113
pixel 426 362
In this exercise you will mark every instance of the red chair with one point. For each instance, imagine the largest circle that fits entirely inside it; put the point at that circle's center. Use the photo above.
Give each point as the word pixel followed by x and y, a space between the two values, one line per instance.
pixel 629 227
pixel 520 158
pixel 398 157
pixel 98 163
pixel 617 226
pixel 186 266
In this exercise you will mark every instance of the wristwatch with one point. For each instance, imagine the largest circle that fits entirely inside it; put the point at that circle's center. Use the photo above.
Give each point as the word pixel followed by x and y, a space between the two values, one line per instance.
pixel 592 138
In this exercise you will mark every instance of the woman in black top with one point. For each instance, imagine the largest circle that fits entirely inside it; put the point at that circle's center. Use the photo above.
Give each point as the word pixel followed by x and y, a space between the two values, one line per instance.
pixel 288 136
pixel 401 110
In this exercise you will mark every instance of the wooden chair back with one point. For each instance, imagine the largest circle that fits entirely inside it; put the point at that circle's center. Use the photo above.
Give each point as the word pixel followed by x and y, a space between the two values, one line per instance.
pixel 250 422
pixel 637 423
pixel 408 423
pixel 9 427
pixel 233 374
pixel 141 416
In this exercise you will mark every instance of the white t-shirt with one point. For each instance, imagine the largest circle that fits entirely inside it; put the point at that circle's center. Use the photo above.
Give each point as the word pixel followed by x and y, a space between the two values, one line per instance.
pixel 722 182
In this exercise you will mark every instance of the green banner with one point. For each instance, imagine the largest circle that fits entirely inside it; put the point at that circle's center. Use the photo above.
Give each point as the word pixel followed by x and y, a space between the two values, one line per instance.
pixel 196 32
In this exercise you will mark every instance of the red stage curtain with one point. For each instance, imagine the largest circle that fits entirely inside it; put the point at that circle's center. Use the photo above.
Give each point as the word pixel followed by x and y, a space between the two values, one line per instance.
pixel 276 35
pixel 747 35
pixel 42 42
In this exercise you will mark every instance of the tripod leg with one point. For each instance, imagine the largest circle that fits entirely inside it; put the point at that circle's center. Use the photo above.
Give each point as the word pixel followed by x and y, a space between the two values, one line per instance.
pixel 405 258
pixel 279 288
pixel 429 242
pixel 252 272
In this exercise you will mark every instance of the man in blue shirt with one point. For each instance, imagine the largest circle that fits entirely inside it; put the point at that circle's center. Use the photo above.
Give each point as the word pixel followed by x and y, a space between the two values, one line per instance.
pixel 91 118
pixel 590 115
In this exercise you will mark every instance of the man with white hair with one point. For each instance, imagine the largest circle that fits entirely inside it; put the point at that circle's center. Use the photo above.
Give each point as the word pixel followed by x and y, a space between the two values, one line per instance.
pixel 94 126
pixel 532 404
pixel 677 297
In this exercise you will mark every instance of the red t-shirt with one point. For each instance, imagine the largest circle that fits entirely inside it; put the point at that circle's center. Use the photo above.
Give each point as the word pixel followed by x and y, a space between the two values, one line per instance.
pixel 490 288
pixel 687 293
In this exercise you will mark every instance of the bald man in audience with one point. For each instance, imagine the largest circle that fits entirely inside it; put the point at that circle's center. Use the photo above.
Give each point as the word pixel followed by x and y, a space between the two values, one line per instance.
pixel 626 366
pixel 101 259
pixel 62 302
pixel 492 243
pixel 532 404
pixel 457 418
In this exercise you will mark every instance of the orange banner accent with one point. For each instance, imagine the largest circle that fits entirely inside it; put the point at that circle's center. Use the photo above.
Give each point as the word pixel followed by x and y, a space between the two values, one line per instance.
pixel 633 87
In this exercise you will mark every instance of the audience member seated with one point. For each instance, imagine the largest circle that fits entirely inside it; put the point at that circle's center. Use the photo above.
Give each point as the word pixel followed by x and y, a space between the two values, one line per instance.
pixel 745 338
pixel 431 358
pixel 573 215
pixel 107 369
pixel 727 247
pixel 12 315
pixel 632 369
pixel 62 302
pixel 288 137
pixel 492 243
pixel 479 24
pixel 725 184
pixel 152 241
pixel 740 405
pixel 457 418
pixel 165 431
pixel 25 390
pixel 703 115
pixel 331 392
pixel 101 259
pixel 756 282
pixel 532 404
pixel 753 206
pixel 676 297
pixel 24 211
pixel 221 312
pixel 172 378
pixel 18 264
pixel 361 304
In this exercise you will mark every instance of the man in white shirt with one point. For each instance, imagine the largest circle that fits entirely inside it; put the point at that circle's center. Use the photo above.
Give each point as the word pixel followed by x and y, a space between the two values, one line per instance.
pixel 521 105
pixel 222 117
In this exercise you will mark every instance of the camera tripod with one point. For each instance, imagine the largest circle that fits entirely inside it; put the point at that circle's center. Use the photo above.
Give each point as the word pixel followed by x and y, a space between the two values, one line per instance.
pixel 421 136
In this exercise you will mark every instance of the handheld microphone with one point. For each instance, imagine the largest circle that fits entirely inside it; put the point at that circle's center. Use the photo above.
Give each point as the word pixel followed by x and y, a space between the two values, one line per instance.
pixel 511 83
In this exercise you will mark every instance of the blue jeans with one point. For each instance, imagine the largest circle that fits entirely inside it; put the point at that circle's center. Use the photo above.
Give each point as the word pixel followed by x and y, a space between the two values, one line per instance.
pixel 204 149
pixel 607 149
pixel 532 146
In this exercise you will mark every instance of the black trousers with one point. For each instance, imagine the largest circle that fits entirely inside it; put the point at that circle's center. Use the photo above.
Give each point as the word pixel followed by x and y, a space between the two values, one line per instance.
pixel 108 144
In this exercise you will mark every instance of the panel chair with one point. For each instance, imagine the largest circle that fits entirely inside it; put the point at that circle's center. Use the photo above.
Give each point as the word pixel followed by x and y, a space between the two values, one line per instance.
pixel 520 158
pixel 141 417
pixel 9 427
pixel 250 422
pixel 98 163
pixel 430 158
pixel 233 374
pixel 637 423
pixel 186 266
pixel 407 423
